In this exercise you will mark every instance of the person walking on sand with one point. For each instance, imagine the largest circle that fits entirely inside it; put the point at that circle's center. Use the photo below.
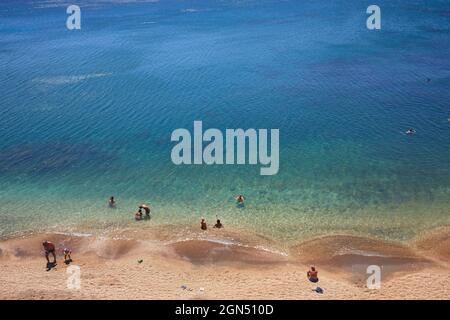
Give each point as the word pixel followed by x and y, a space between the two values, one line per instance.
pixel 67 252
pixel 312 275
pixel 203 225
pixel 49 248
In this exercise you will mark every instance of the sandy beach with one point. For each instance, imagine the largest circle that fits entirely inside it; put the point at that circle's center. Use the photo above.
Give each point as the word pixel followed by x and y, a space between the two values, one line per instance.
pixel 316 132
pixel 210 268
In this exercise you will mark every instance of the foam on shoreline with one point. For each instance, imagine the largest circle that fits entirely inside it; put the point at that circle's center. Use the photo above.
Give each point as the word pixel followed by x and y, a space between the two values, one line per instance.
pixel 341 253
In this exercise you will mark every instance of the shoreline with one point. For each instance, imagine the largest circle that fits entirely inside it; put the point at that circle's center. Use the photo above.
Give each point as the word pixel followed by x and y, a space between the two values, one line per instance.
pixel 217 268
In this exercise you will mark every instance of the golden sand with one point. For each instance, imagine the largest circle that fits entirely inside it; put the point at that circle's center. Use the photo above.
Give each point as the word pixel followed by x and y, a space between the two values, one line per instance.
pixel 210 268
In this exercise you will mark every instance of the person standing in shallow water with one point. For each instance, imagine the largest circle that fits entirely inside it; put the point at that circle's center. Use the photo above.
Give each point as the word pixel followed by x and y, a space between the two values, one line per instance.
pixel 146 209
pixel 112 202
pixel 240 199
pixel 138 215
pixel 203 225
pixel 218 224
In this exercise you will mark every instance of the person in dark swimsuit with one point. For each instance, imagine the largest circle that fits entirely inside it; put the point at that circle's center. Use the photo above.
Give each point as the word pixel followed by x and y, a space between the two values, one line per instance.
pixel 218 224
pixel 203 225
pixel 112 202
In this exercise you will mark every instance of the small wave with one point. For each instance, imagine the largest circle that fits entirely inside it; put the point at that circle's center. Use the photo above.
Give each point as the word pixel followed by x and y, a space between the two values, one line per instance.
pixel 84 4
pixel 61 80
pixel 281 253
pixel 229 242
pixel 213 240
pixel 346 251
pixel 74 234
pixel 190 10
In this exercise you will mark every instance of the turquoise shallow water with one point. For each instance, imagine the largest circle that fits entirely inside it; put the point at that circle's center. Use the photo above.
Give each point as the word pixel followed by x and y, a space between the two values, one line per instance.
pixel 88 114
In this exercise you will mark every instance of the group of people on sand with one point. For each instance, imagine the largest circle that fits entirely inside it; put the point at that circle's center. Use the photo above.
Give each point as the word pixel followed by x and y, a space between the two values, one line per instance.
pixel 50 249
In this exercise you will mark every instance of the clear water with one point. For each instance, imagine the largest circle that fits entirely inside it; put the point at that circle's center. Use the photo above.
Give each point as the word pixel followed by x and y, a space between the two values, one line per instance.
pixel 88 114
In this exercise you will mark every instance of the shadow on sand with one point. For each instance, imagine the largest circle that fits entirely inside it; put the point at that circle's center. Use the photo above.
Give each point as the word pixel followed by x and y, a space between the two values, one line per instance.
pixel 51 265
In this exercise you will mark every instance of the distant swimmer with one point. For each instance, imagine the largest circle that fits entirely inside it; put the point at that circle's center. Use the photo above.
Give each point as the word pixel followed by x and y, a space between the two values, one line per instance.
pixel 146 209
pixel 112 202
pixel 312 275
pixel 240 199
pixel 49 249
pixel 410 131
pixel 218 224
pixel 203 225
pixel 138 215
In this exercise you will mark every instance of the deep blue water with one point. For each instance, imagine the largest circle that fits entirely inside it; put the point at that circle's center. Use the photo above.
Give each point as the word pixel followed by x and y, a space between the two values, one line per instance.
pixel 88 113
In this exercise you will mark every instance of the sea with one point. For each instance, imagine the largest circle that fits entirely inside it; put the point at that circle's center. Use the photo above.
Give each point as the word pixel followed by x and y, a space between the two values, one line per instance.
pixel 88 113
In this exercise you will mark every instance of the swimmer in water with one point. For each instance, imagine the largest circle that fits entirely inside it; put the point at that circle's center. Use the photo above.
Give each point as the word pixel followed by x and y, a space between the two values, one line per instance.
pixel 410 131
pixel 146 209
pixel 203 225
pixel 112 202
pixel 138 215
pixel 240 199
pixel 218 224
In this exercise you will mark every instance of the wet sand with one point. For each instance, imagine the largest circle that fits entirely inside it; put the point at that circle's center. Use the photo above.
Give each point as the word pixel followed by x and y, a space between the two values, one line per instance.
pixel 211 266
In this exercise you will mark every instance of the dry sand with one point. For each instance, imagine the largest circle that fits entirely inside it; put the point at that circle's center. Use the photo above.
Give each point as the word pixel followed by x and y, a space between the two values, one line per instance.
pixel 210 269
